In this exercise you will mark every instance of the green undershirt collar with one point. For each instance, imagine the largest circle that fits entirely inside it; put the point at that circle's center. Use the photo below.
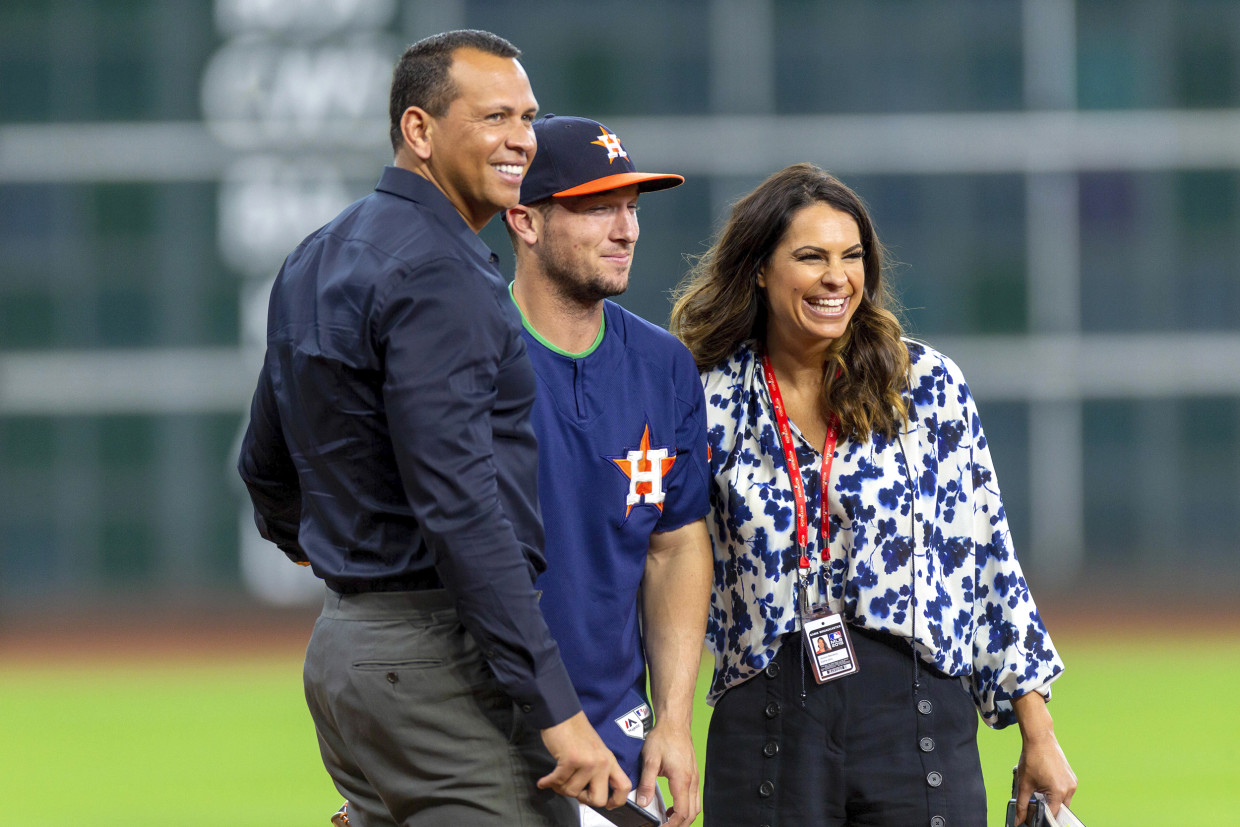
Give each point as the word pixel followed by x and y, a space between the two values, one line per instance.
pixel 526 323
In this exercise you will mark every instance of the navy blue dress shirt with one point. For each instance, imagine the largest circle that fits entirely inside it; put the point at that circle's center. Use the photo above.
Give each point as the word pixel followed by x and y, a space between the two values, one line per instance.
pixel 389 443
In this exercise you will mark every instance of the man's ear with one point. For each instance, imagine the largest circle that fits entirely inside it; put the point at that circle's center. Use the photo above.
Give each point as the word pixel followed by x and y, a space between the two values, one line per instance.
pixel 418 127
pixel 526 223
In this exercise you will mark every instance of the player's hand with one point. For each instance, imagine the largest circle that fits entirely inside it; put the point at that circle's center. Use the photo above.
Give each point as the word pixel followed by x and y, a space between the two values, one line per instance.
pixel 585 769
pixel 1043 767
pixel 668 752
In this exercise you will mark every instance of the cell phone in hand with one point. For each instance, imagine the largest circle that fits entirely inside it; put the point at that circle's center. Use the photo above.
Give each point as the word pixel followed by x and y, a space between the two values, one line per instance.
pixel 630 815
pixel 1039 814
pixel 1035 815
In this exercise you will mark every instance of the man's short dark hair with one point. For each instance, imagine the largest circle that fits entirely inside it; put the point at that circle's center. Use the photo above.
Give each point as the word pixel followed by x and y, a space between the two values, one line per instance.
pixel 421 76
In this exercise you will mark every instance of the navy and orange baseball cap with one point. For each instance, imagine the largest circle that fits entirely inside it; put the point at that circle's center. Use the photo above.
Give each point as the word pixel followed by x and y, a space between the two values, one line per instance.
pixel 578 156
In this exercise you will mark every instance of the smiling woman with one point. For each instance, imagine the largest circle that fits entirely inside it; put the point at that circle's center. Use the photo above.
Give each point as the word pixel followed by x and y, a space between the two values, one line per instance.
pixel 790 225
pixel 814 281
pixel 811 389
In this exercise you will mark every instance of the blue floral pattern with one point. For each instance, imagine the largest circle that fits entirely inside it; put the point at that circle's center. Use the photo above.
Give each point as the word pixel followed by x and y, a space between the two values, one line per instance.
pixel 919 539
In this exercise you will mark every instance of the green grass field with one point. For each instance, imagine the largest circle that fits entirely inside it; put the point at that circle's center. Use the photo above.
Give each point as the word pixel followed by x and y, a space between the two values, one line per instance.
pixel 1151 728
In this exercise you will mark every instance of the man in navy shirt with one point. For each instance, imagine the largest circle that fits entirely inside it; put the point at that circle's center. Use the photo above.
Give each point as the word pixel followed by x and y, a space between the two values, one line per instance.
pixel 623 477
pixel 390 449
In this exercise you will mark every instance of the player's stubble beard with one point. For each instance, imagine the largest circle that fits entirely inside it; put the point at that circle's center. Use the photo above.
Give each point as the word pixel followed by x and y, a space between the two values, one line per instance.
pixel 580 288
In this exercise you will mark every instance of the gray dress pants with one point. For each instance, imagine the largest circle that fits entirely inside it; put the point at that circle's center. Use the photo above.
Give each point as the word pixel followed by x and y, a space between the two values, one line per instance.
pixel 412 726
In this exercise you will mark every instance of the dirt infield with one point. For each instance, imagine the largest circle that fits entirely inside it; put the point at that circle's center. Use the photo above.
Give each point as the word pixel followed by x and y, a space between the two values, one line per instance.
pixel 169 634
pixel 163 635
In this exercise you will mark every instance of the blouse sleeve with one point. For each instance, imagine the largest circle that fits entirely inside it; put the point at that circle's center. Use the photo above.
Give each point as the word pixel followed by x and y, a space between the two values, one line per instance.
pixel 1012 651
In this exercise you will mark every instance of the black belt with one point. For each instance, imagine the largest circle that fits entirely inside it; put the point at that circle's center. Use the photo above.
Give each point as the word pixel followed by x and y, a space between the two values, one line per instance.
pixel 411 582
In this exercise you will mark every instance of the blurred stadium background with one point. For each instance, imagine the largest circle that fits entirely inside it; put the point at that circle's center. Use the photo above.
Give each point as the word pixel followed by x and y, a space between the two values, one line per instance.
pixel 1060 180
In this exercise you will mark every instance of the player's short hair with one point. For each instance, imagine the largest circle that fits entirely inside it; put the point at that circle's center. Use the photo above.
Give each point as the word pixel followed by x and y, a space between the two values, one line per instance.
pixel 421 77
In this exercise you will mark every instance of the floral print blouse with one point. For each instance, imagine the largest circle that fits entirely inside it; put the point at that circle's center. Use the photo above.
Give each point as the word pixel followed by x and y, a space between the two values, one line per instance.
pixel 931 562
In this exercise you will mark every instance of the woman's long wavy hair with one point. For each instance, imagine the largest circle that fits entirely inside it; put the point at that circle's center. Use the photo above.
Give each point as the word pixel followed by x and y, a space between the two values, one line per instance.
pixel 719 305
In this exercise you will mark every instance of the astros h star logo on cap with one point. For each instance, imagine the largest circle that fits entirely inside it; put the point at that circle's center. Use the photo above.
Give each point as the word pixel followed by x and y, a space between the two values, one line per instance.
pixel 611 143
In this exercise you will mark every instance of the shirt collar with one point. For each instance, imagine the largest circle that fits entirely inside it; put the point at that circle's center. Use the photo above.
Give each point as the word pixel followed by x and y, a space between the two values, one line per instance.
pixel 409 185
pixel 538 336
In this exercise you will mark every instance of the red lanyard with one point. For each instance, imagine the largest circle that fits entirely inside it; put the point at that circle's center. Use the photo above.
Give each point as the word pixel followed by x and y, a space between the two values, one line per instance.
pixel 794 471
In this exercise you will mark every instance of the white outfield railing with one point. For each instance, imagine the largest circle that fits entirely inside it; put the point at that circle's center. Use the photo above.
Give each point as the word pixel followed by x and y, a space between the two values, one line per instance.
pixel 1031 142
pixel 998 368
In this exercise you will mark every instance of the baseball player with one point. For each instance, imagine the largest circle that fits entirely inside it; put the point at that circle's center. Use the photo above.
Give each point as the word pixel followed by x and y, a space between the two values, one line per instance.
pixel 620 421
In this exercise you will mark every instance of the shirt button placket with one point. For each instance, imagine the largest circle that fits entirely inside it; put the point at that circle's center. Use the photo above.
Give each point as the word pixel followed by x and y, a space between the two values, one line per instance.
pixel 931 761
pixel 772 712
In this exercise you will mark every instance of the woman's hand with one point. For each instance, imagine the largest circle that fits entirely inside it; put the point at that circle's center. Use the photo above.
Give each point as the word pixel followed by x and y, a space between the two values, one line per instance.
pixel 1043 767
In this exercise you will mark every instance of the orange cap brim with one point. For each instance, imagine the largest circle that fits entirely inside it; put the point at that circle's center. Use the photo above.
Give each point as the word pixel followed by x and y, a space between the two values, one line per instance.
pixel 646 182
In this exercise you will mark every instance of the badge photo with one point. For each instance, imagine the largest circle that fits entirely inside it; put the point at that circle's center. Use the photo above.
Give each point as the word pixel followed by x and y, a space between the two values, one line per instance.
pixel 829 647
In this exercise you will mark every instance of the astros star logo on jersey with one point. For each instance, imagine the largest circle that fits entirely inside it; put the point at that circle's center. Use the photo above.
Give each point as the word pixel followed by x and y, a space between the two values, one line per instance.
pixel 645 468
pixel 611 143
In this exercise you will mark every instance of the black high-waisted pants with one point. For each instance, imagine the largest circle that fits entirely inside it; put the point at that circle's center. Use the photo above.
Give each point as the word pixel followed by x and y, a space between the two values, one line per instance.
pixel 869 749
